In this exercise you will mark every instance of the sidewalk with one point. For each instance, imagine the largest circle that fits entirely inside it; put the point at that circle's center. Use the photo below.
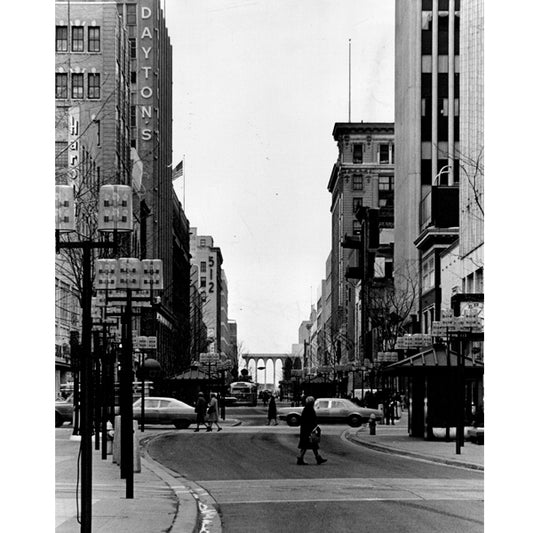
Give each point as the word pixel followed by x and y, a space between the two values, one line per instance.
pixel 395 439
pixel 161 501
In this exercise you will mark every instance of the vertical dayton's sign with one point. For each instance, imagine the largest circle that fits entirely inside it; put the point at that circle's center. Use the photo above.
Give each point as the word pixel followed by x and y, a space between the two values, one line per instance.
pixel 145 72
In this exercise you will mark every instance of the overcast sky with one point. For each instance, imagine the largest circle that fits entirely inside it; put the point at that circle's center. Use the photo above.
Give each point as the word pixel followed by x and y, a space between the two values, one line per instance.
pixel 257 88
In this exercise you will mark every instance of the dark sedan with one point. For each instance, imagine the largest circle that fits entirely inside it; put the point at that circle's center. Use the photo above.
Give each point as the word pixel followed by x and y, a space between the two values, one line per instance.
pixel 64 410
pixel 332 410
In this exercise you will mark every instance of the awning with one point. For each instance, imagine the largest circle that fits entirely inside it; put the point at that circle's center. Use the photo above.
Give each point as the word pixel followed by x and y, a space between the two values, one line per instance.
pixel 193 374
pixel 433 359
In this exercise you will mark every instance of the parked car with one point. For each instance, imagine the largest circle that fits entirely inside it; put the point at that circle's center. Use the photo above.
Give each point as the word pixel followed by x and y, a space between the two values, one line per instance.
pixel 64 410
pixel 332 410
pixel 165 411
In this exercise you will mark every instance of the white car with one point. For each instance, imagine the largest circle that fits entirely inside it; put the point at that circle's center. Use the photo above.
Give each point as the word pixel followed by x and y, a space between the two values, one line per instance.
pixel 165 411
pixel 332 410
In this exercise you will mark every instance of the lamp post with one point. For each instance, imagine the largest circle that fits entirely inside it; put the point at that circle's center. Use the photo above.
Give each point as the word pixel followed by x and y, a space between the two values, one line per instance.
pixel 115 214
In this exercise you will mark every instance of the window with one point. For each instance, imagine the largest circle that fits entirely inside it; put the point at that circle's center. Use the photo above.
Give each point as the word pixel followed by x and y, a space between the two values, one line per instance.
pixel 203 266
pixel 203 282
pixel 202 242
pixel 131 14
pixel 358 153
pixel 133 48
pixel 384 154
pixel 428 273
pixel 93 86
pixel 93 39
pixel 61 86
pixel 77 39
pixel 356 203
pixel 77 85
pixel 356 227
pixel 133 76
pixel 61 39
pixel 133 116
pixel 61 154
pixel 357 182
pixel 383 202
pixel 386 183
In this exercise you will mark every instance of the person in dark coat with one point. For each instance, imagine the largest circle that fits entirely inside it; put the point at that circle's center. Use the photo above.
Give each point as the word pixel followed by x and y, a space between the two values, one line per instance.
pixel 272 411
pixel 307 425
pixel 200 409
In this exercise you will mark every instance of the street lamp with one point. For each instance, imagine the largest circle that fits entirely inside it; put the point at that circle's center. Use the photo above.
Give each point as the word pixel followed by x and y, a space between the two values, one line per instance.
pixel 114 216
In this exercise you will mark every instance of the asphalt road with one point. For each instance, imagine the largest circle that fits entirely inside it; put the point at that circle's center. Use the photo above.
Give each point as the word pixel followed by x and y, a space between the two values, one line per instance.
pixel 251 473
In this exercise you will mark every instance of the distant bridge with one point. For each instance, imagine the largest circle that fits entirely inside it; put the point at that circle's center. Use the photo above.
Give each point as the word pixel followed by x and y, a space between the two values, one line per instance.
pixel 273 364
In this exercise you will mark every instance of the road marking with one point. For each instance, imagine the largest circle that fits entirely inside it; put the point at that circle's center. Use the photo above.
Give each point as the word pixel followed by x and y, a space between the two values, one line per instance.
pixel 342 489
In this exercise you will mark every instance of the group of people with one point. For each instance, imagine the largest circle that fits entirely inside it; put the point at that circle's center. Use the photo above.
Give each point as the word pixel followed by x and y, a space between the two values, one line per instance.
pixel 203 409
pixel 309 429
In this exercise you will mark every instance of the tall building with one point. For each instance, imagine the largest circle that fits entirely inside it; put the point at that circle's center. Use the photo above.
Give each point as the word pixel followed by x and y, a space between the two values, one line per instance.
pixel 471 146
pixel 363 176
pixel 213 291
pixel 114 125
pixel 427 121
pixel 150 116
pixel 92 138
pixel 439 196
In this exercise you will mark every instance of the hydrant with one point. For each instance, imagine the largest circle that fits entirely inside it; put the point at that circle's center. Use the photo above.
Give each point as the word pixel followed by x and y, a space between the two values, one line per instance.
pixel 372 424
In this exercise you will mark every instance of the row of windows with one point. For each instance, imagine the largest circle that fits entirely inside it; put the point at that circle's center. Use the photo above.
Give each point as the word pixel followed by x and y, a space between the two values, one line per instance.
pixel 77 39
pixel 385 155
pixel 77 86
pixel 385 183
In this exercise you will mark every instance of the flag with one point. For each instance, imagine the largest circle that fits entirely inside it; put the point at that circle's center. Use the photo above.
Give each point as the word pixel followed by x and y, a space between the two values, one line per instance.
pixel 177 172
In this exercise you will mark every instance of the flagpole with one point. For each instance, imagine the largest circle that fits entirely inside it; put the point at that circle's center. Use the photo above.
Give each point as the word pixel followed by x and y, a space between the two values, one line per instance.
pixel 349 80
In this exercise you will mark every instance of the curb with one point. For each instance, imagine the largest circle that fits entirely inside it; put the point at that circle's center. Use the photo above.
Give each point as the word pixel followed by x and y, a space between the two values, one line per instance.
pixel 197 511
pixel 414 455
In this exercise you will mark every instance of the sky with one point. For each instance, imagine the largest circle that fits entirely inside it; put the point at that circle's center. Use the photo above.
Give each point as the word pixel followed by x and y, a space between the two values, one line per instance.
pixel 257 89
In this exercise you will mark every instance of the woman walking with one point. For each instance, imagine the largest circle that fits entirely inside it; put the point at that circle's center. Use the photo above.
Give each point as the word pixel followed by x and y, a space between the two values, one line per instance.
pixel 199 408
pixel 307 425
pixel 272 411
pixel 212 413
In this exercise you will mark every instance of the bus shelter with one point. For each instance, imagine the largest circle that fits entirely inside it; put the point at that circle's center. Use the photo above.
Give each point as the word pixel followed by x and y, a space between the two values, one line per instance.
pixel 441 385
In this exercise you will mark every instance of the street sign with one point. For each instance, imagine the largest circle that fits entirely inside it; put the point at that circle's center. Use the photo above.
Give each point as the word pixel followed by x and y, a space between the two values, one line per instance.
pixel 209 357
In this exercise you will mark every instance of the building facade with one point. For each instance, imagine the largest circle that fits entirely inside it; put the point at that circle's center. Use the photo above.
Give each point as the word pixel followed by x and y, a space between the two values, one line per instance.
pixel 363 176
pixel 212 288
pixel 92 138
pixel 427 119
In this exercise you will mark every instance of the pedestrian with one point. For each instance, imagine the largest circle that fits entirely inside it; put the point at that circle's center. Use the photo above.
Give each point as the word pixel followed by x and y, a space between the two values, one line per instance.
pixel 199 409
pixel 212 413
pixel 272 411
pixel 308 425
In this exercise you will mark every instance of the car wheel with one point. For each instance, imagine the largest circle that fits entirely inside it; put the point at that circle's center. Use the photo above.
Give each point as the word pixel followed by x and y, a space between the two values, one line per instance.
pixel 293 420
pixel 59 420
pixel 355 421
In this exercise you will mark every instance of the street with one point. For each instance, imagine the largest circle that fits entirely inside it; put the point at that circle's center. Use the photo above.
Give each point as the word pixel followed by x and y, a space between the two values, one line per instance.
pixel 251 473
